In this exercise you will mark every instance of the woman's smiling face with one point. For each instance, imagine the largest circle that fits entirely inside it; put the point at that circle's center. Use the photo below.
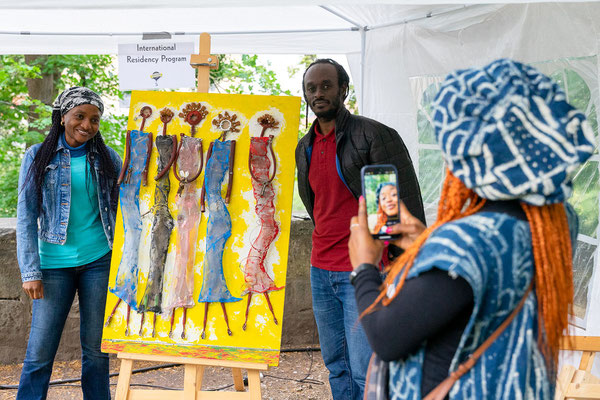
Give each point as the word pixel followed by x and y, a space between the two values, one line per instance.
pixel 388 198
pixel 81 124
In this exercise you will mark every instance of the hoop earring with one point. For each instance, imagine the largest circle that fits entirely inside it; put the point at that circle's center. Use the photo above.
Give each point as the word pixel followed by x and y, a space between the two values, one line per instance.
pixel 62 123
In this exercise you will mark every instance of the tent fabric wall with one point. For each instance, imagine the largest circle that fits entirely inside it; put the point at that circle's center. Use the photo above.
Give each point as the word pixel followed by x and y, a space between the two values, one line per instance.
pixel 528 33
pixel 424 51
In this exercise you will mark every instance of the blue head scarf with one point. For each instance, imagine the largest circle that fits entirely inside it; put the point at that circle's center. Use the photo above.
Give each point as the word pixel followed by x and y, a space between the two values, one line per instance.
pixel 507 132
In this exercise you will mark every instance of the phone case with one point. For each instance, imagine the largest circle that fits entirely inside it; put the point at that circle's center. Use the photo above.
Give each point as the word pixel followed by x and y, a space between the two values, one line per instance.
pixel 382 181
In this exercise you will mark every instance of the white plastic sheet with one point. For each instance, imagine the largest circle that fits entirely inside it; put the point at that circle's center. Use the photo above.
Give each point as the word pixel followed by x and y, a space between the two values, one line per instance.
pixel 405 63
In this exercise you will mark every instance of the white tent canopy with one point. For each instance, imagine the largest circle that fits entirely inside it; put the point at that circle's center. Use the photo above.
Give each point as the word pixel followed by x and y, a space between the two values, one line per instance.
pixel 61 27
pixel 91 27
pixel 397 52
pixel 395 40
pixel 428 38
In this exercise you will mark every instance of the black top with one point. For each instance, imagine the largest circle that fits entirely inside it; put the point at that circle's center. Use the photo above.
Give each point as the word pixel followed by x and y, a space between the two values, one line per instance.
pixel 433 307
pixel 361 141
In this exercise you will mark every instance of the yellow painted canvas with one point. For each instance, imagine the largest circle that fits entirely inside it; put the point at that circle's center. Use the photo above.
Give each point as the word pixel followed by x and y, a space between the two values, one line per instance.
pixel 192 283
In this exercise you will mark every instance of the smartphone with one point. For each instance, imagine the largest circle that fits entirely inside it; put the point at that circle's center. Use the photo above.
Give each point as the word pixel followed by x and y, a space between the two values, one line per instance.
pixel 380 190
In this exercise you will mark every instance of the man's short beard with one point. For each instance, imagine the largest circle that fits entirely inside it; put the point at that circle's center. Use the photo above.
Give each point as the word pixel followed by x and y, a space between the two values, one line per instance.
pixel 332 112
pixel 327 115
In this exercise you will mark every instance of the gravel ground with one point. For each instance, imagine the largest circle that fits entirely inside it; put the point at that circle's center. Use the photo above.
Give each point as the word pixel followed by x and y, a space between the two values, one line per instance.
pixel 300 375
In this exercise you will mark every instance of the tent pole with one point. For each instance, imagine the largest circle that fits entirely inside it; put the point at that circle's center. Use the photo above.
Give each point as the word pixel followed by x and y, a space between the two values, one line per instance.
pixel 363 45
pixel 429 15
pixel 340 15
pixel 323 30
pixel 363 39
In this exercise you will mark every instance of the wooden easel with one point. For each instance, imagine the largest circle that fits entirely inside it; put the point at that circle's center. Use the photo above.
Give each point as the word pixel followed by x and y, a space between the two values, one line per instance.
pixel 204 62
pixel 192 379
pixel 579 383
pixel 193 367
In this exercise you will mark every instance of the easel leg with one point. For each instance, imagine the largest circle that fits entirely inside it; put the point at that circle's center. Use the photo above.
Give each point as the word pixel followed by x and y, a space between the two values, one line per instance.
pixel 238 381
pixel 564 380
pixel 199 376
pixel 587 361
pixel 190 381
pixel 124 378
pixel 254 384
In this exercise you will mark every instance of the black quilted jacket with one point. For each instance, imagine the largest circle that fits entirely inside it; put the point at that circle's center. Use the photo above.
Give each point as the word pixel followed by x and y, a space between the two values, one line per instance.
pixel 362 141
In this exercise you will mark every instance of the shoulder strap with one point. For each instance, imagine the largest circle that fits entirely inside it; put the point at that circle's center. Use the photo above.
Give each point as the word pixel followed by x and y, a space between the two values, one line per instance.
pixel 442 390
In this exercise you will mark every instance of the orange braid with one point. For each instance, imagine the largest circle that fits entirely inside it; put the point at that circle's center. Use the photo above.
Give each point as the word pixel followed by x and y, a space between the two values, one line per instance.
pixel 381 220
pixel 553 272
pixel 455 195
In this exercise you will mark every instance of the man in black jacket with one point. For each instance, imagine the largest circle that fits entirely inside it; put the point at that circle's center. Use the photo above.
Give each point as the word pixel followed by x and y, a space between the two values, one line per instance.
pixel 329 159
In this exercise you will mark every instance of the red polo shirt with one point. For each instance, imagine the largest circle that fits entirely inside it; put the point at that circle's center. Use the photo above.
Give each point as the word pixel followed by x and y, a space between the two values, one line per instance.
pixel 334 207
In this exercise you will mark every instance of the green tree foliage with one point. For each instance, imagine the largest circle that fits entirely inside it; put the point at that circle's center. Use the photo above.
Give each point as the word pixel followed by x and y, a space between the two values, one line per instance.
pixel 26 119
pixel 245 75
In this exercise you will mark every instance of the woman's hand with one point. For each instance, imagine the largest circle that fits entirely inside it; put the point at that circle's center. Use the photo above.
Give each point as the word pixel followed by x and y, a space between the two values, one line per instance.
pixel 362 247
pixel 34 289
pixel 410 227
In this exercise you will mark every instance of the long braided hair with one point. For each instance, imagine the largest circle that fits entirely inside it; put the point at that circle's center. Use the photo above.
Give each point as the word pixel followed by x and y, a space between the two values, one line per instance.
pixel 108 175
pixel 381 219
pixel 551 244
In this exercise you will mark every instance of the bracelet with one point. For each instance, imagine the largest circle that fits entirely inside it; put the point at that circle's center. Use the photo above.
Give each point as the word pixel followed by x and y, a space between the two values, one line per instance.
pixel 362 267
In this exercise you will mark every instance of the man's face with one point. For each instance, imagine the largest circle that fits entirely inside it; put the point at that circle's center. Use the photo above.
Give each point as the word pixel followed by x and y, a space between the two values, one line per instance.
pixel 323 94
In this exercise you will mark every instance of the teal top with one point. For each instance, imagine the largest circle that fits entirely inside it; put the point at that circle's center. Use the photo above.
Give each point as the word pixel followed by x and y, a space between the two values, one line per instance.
pixel 86 241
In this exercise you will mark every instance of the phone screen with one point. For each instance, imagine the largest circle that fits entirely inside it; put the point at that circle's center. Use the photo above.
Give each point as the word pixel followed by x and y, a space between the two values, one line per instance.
pixel 380 189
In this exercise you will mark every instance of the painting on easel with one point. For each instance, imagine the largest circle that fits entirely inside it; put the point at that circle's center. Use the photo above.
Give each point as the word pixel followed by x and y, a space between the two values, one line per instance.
pixel 201 241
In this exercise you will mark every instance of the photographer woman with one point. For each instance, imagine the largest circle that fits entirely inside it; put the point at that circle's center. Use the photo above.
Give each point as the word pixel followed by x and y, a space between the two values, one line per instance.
pixel 478 303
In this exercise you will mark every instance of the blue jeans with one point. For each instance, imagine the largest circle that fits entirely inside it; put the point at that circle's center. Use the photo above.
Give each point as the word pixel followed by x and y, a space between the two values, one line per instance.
pixel 344 346
pixel 90 281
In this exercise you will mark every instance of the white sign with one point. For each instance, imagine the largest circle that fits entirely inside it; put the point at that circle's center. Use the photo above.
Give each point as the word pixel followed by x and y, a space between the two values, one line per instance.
pixel 156 65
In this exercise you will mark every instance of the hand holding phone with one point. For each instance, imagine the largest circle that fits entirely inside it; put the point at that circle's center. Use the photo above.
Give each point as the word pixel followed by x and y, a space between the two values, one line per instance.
pixel 380 190
pixel 408 231
pixel 362 247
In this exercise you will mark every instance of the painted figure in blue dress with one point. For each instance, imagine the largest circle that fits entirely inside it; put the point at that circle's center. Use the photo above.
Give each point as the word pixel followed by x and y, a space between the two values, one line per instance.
pixel 134 173
pixel 497 263
pixel 221 154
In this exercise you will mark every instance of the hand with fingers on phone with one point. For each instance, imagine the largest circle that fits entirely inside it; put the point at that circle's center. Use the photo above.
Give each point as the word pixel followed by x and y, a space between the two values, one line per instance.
pixel 409 229
pixel 363 248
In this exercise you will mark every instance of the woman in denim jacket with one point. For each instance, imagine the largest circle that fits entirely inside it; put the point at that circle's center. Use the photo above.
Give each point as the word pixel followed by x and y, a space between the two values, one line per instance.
pixel 63 250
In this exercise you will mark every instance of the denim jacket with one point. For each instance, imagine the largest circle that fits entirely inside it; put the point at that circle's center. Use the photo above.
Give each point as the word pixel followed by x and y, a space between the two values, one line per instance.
pixel 50 223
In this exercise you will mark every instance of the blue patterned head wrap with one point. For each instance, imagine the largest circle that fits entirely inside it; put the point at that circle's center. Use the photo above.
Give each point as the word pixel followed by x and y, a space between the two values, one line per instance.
pixel 76 96
pixel 507 132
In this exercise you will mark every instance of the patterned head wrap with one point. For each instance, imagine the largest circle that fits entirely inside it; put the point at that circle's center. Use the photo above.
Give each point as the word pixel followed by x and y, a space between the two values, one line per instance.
pixel 76 96
pixel 507 132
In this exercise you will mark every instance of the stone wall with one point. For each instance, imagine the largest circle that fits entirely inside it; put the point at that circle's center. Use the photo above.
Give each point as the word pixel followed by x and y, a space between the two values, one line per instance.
pixel 299 329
